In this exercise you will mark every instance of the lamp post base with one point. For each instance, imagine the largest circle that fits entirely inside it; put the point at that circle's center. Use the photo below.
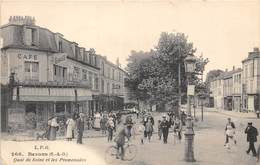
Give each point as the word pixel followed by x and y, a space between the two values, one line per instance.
pixel 189 142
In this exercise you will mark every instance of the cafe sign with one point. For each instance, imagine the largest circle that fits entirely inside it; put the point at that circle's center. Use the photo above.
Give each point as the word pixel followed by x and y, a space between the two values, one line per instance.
pixel 27 56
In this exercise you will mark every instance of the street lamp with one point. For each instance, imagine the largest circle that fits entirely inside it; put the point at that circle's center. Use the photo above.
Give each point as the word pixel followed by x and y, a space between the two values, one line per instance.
pixel 189 62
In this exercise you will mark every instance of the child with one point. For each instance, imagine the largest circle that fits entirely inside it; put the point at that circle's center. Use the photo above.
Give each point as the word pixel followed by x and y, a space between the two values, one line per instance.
pixel 177 128
pixel 141 130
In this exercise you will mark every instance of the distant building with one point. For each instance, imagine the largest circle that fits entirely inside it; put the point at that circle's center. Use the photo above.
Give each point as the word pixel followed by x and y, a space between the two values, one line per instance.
pixel 239 89
pixel 251 80
pixel 216 89
pixel 112 90
pixel 226 90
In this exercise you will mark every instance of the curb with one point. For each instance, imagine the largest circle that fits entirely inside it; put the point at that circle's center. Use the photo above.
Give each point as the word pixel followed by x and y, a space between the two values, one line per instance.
pixel 231 115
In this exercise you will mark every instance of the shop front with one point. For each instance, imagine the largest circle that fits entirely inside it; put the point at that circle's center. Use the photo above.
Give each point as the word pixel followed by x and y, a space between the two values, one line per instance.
pixel 108 103
pixel 237 104
pixel 228 103
pixel 32 107
pixel 252 102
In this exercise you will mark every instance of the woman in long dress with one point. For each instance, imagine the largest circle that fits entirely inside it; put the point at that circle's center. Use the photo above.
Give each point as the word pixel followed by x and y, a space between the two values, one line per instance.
pixel 54 128
pixel 70 127
pixel 149 129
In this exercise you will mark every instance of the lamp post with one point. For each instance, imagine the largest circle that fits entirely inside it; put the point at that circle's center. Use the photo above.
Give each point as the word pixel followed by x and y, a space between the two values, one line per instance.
pixel 189 62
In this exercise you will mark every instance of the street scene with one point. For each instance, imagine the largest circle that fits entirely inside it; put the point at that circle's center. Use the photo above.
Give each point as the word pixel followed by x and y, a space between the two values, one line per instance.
pixel 118 83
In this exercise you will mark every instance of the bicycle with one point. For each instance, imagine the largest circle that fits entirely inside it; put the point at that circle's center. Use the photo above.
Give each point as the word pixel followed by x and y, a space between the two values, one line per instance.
pixel 111 152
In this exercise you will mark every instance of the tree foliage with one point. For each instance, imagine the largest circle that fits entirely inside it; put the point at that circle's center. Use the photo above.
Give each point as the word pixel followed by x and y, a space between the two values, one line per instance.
pixel 213 74
pixel 153 75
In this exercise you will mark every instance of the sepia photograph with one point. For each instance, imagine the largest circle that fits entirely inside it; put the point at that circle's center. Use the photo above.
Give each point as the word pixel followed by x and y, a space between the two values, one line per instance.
pixel 130 82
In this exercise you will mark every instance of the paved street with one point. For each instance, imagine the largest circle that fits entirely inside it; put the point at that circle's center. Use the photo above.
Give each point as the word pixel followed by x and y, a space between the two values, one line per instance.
pixel 209 145
pixel 209 141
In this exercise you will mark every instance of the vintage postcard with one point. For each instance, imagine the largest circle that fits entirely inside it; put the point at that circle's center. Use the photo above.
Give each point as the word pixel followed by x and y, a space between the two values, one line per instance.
pixel 130 82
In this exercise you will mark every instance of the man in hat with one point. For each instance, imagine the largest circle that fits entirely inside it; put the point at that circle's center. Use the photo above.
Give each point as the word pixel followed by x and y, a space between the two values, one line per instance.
pixel 252 134
pixel 80 127
pixel 165 125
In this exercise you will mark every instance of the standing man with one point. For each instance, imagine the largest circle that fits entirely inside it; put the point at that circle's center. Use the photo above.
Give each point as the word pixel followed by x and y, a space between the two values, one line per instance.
pixel 110 128
pixel 165 125
pixel 80 127
pixel 252 134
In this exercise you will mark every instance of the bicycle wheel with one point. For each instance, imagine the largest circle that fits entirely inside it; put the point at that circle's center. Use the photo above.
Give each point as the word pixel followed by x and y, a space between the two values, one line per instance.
pixel 110 154
pixel 130 152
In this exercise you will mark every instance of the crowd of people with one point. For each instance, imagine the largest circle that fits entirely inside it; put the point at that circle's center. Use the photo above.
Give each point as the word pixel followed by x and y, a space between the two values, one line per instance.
pixel 107 123
pixel 74 125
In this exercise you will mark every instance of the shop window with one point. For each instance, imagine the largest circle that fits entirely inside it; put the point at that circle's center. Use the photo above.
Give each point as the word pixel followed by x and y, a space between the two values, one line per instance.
pixel 30 116
pixel 60 108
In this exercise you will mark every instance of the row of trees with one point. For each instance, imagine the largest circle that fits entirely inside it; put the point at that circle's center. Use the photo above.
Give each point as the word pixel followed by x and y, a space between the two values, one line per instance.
pixel 153 75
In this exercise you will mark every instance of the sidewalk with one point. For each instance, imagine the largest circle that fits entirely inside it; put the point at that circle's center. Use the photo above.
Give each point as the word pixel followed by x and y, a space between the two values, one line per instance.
pixel 249 115
pixel 25 136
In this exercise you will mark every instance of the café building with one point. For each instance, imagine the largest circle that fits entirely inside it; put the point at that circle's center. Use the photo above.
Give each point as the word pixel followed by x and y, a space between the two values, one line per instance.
pixel 46 73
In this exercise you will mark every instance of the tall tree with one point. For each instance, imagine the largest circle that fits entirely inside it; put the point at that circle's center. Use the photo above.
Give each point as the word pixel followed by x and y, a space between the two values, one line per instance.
pixel 139 68
pixel 155 75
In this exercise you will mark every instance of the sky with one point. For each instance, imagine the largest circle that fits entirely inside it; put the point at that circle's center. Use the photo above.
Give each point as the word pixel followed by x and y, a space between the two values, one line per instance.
pixel 224 31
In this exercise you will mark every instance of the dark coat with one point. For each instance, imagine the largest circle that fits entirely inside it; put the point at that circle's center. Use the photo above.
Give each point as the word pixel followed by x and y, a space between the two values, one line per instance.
pixel 80 125
pixel 252 134
pixel 165 125
pixel 120 138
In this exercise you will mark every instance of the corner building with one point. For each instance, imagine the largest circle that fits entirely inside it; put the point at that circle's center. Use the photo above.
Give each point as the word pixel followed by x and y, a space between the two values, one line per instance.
pixel 45 74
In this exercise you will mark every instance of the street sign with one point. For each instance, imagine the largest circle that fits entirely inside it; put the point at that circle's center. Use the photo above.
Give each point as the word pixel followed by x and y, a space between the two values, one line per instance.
pixel 191 90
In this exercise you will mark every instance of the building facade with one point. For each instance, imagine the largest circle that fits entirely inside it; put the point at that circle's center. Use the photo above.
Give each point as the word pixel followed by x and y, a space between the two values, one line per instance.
pixel 48 75
pixel 216 89
pixel 226 90
pixel 251 80
pixel 237 90
pixel 241 87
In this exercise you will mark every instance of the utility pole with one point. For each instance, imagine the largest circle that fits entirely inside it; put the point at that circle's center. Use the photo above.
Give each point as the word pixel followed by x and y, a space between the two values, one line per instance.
pixel 179 90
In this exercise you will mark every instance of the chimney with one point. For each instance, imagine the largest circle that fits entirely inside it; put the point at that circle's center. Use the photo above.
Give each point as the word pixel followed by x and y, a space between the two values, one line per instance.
pixel 234 68
pixel 22 20
pixel 256 49
pixel 226 70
